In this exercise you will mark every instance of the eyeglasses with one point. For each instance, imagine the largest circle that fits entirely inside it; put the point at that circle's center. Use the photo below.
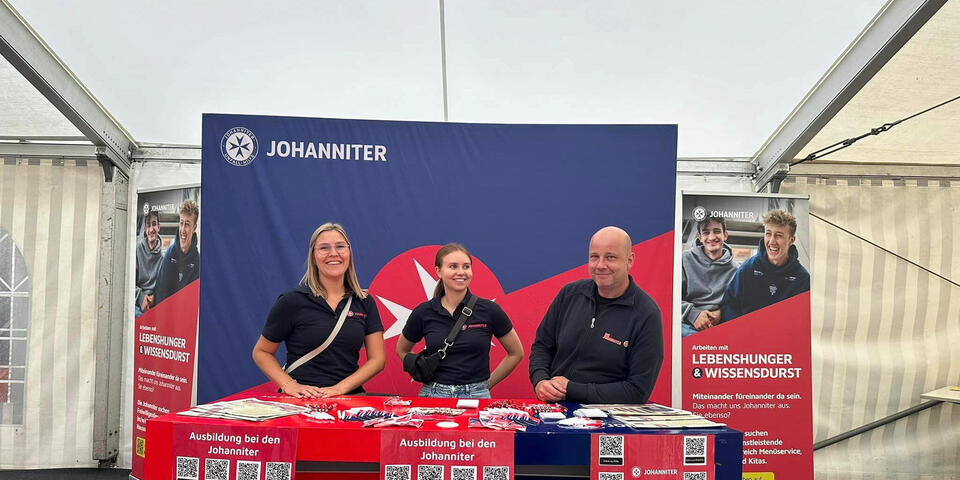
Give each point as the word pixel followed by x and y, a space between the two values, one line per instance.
pixel 326 248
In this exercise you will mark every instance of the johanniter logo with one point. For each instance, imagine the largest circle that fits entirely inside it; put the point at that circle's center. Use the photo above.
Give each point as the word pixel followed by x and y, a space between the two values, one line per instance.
pixel 239 146
pixel 699 213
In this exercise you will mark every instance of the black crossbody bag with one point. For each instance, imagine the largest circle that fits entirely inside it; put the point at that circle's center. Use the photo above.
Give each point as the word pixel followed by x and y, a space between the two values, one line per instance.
pixel 423 367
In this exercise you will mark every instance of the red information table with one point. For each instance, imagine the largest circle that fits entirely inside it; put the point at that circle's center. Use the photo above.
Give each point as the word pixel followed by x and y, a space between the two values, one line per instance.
pixel 347 450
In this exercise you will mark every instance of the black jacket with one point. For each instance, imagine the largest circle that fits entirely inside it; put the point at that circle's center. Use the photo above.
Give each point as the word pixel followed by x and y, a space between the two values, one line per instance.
pixel 616 360
pixel 178 269
pixel 759 283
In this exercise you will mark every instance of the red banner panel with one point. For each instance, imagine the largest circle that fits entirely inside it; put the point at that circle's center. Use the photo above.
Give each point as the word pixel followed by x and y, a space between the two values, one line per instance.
pixel 758 380
pixel 618 457
pixel 437 455
pixel 234 452
pixel 164 344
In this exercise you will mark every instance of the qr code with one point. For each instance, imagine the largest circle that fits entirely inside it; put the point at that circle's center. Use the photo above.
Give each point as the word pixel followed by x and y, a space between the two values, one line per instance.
pixel 695 450
pixel 611 475
pixel 694 475
pixel 463 473
pixel 611 450
pixel 278 471
pixel 611 445
pixel 429 472
pixel 141 447
pixel 496 473
pixel 396 472
pixel 216 469
pixel 188 468
pixel 248 470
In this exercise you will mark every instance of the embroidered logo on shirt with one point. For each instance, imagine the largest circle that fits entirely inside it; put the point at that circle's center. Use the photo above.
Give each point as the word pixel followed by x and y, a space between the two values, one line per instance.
pixel 773 290
pixel 607 337
pixel 351 313
pixel 473 325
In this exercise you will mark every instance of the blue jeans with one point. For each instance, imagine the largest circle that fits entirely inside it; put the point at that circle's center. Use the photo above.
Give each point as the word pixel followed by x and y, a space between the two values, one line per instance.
pixel 471 390
pixel 686 329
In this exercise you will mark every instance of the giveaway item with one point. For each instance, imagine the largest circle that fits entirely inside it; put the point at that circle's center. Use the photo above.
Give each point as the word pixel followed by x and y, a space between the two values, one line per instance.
pixel 401 421
pixel 580 423
pixel 427 411
pixel 545 407
pixel 317 415
pixel 362 414
pixel 590 413
pixel 551 416
pixel 422 367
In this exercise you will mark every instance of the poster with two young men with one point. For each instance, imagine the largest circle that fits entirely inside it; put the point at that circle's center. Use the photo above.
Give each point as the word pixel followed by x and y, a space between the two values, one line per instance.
pixel 166 304
pixel 745 324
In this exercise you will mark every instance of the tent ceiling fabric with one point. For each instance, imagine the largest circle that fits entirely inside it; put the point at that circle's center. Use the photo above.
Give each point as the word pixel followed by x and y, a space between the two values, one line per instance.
pixel 925 72
pixel 25 112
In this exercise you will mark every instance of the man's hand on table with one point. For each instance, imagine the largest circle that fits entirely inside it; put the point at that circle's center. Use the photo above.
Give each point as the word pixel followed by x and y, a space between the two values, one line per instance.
pixel 552 389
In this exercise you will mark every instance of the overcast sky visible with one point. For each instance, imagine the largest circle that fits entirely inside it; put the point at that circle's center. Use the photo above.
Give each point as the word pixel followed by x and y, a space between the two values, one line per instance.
pixel 726 72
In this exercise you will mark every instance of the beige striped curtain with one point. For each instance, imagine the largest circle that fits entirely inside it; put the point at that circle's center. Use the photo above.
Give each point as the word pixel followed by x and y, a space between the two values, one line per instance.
pixel 885 330
pixel 51 208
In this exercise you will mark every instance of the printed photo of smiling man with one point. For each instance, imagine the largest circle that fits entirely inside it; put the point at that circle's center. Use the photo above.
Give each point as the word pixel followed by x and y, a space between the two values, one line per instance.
pixel 181 262
pixel 772 275
pixel 706 269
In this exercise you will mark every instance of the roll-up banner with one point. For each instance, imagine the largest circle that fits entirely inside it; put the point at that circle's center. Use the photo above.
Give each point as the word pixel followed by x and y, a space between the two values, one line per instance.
pixel 524 199
pixel 166 303
pixel 744 319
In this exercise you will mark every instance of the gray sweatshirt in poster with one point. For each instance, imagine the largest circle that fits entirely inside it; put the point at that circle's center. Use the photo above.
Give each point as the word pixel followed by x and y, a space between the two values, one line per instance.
pixel 148 267
pixel 704 281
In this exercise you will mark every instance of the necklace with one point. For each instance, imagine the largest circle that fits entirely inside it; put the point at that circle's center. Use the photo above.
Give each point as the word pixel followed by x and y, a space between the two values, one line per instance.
pixel 452 309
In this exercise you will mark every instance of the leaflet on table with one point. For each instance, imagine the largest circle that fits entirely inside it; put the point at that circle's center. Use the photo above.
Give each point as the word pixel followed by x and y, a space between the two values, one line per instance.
pixel 648 409
pixel 250 409
pixel 651 416
pixel 652 422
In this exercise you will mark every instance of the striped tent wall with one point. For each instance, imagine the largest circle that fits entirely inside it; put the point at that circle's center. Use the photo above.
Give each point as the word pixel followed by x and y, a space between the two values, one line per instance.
pixel 885 329
pixel 51 208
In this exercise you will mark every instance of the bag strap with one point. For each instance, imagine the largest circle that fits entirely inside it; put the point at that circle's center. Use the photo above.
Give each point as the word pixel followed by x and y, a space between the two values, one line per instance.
pixel 326 343
pixel 464 315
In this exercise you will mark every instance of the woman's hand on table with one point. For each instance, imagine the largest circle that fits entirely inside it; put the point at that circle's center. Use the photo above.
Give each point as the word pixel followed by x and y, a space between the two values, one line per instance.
pixel 332 391
pixel 294 389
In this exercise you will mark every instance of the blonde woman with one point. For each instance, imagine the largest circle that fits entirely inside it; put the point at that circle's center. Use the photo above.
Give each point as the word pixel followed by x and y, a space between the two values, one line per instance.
pixel 304 318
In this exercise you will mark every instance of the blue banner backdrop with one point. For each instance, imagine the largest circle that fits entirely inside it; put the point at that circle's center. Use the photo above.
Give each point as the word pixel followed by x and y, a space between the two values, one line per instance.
pixel 523 198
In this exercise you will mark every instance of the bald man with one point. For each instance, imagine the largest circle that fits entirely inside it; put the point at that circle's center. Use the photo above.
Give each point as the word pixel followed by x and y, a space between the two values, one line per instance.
pixel 601 340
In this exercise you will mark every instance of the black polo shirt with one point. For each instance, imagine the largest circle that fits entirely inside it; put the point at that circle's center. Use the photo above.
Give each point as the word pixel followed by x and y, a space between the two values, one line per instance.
pixel 303 321
pixel 468 360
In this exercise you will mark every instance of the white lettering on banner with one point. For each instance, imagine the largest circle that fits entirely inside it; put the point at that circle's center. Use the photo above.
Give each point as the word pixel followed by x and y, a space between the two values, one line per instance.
pixel 239 452
pixel 733 215
pixel 755 372
pixel 215 437
pixel 743 358
pixel 428 442
pixel 747 359
pixel 163 340
pixel 327 151
pixel 165 353
pixel 447 457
